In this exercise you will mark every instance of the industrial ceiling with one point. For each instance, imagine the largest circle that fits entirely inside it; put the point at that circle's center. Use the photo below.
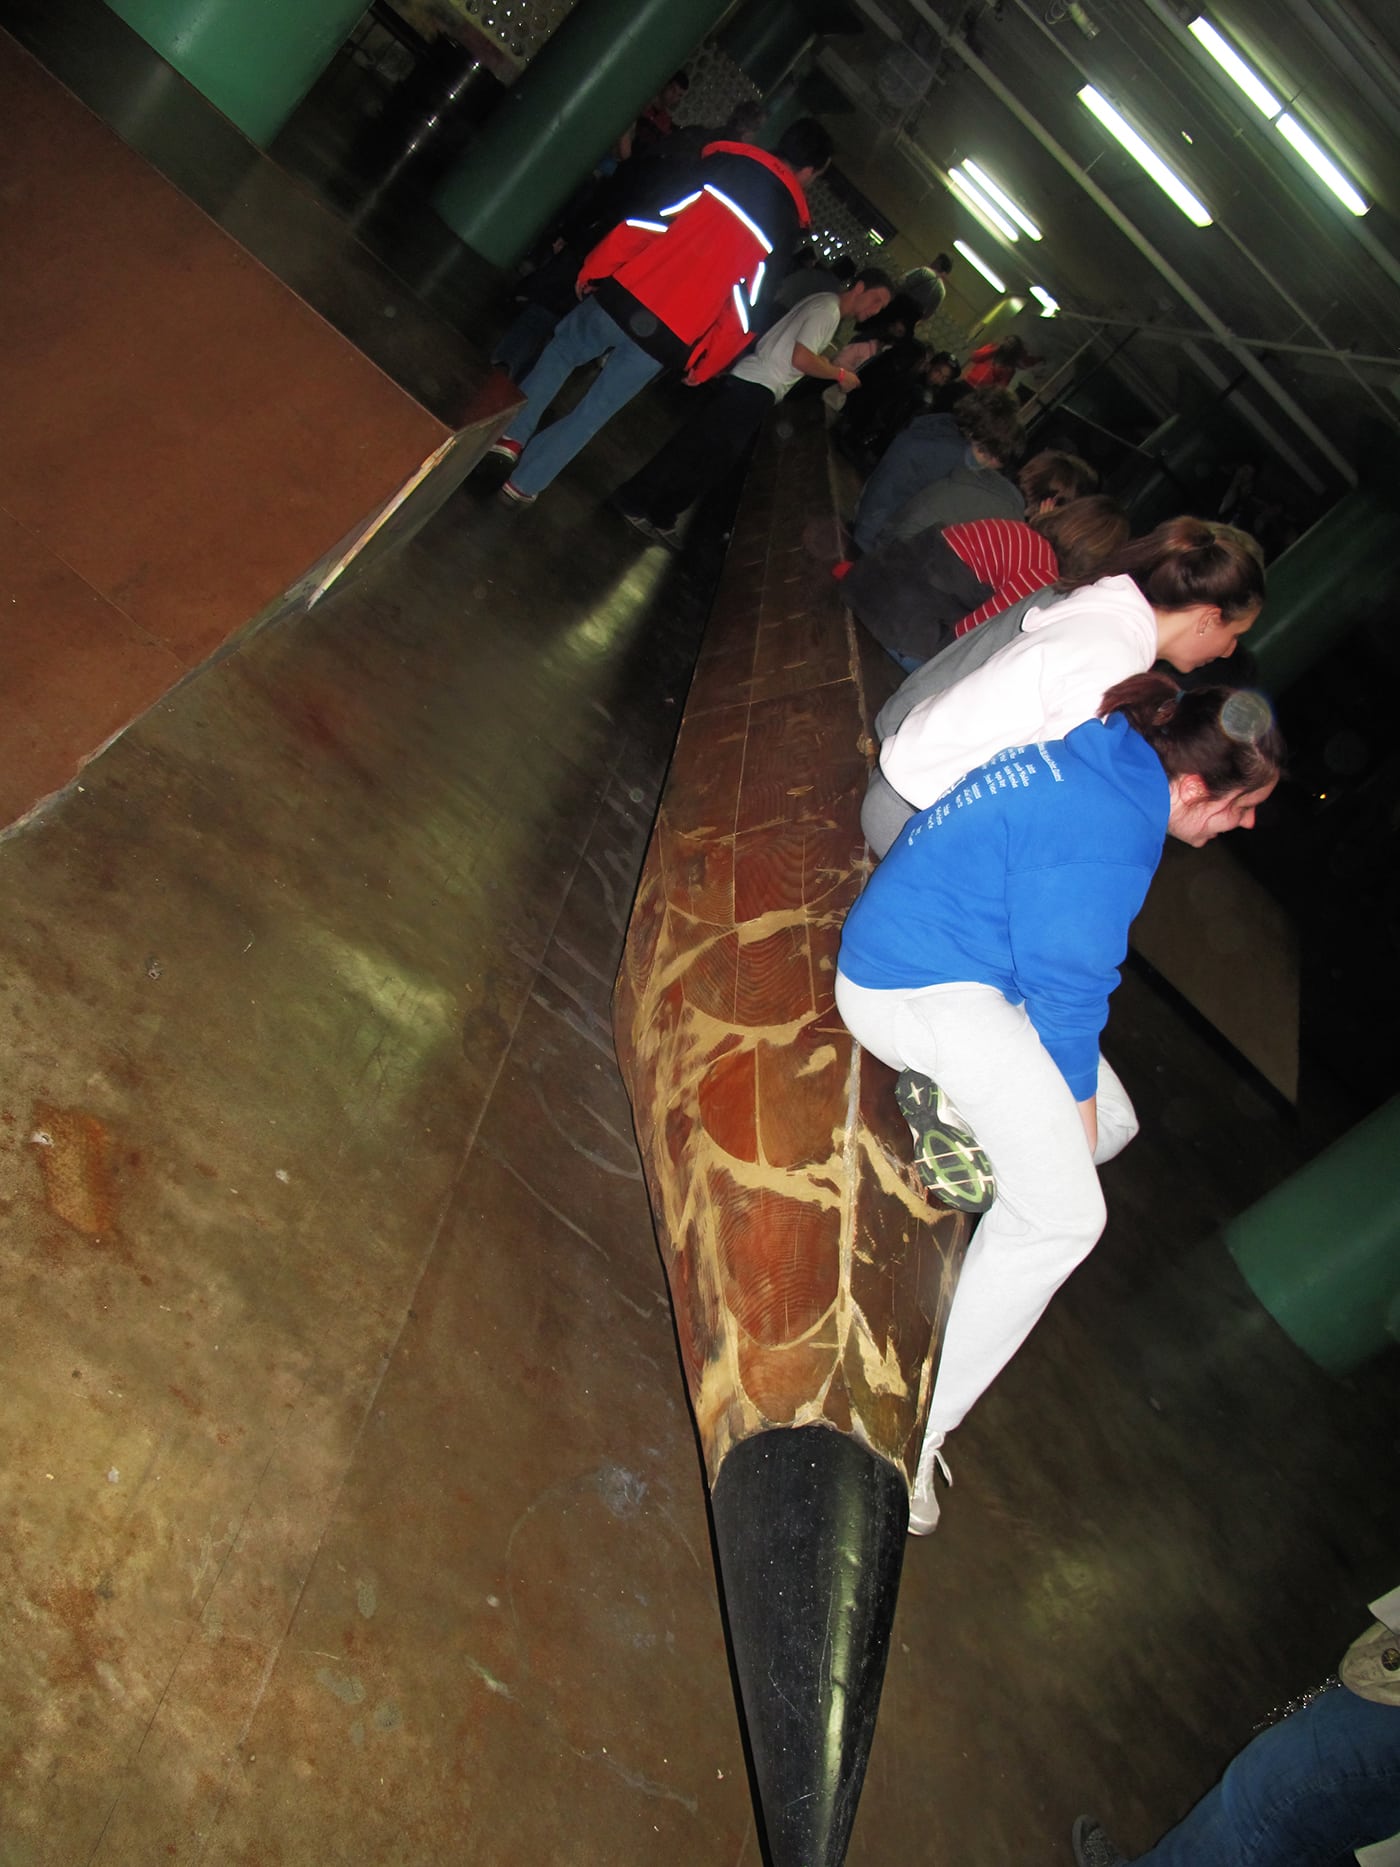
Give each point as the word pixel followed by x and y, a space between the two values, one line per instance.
pixel 1287 294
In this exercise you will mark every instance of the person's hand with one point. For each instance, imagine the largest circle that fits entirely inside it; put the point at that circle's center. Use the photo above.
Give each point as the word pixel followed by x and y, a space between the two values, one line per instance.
pixel 1089 1115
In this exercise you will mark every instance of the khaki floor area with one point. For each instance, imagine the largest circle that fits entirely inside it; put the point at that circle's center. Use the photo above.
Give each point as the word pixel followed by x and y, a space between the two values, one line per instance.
pixel 354 1509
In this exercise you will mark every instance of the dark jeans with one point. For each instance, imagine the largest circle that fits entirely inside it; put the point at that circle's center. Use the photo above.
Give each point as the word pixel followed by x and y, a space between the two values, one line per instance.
pixel 699 454
pixel 520 347
pixel 1306 1793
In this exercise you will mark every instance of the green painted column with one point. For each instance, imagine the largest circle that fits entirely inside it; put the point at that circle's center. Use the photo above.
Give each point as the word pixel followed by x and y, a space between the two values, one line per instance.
pixel 1344 569
pixel 253 59
pixel 1322 1251
pixel 574 99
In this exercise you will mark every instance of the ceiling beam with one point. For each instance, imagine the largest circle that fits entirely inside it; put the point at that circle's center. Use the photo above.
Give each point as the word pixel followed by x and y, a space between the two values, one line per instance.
pixel 1254 343
pixel 1158 260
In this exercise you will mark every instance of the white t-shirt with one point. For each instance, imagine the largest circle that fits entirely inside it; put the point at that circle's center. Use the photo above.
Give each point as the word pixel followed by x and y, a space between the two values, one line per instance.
pixel 812 323
pixel 1046 681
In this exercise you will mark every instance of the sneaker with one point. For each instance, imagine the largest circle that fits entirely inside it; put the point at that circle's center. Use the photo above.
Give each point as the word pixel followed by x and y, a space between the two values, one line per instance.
pixel 511 495
pixel 669 535
pixel 947 1157
pixel 923 1502
pixel 1092 1847
pixel 639 522
pixel 506 450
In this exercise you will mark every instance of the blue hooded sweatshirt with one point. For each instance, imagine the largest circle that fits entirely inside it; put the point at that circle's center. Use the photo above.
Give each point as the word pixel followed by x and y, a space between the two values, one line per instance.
pixel 1025 876
pixel 929 449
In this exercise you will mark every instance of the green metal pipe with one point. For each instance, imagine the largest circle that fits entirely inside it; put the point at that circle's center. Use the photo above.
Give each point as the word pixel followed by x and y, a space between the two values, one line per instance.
pixel 765 39
pixel 607 60
pixel 1343 570
pixel 253 59
pixel 1322 1251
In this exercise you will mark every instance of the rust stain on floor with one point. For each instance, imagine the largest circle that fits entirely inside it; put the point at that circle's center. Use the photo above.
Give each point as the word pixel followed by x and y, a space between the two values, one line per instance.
pixel 75 1156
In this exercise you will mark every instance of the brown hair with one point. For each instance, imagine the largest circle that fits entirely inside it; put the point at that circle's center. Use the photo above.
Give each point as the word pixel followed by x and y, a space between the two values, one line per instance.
pixel 1186 561
pixel 1052 475
pixel 991 419
pixel 1227 736
pixel 1082 534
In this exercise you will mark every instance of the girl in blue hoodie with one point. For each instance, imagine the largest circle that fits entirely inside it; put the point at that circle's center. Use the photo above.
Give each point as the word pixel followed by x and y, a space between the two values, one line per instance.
pixel 980 959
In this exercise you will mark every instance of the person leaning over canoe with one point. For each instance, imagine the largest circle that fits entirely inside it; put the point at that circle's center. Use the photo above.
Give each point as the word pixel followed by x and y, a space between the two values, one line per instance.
pixel 915 595
pixel 978 964
pixel 1184 594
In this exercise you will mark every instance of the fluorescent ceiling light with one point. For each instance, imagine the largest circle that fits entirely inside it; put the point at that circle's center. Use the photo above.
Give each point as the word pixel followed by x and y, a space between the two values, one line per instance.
pixel 1051 305
pixel 1166 178
pixel 981 206
pixel 1288 127
pixel 1321 164
pixel 1002 199
pixel 1234 67
pixel 979 265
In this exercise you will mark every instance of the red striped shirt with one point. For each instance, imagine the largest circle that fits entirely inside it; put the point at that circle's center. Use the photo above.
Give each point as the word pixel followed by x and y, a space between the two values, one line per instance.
pixel 1012 557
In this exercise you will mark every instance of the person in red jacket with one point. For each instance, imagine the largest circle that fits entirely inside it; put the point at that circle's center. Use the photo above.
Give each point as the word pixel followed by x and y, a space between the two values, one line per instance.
pixel 670 287
pixel 994 365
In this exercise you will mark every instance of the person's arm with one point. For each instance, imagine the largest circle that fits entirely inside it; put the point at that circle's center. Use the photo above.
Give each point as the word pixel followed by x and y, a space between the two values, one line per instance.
pixel 810 364
pixel 1068 927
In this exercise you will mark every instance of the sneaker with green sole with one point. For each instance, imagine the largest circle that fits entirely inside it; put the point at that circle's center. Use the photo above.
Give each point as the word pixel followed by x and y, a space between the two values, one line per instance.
pixel 947 1155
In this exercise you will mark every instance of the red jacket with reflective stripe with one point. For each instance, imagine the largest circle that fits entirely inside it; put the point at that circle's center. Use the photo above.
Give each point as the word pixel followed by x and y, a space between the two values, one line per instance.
pixel 696 268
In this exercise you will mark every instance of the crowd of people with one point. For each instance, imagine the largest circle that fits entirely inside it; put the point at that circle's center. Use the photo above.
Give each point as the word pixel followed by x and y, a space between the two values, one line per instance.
pixel 1032 763
pixel 687 250
pixel 1063 713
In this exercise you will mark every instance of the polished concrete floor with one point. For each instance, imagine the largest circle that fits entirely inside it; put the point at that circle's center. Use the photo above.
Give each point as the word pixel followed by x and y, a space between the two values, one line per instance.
pixel 352 1508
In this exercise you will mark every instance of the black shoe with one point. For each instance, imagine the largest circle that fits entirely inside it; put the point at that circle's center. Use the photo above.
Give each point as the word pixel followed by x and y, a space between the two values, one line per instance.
pixel 1092 1847
pixel 639 523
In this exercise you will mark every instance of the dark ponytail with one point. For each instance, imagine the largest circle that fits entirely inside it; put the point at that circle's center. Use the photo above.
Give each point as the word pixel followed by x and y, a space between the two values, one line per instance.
pixel 1186 561
pixel 1225 735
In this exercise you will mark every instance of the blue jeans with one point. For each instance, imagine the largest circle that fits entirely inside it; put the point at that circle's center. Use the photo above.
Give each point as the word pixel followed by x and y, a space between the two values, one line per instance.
pixel 522 344
pixel 581 337
pixel 1306 1793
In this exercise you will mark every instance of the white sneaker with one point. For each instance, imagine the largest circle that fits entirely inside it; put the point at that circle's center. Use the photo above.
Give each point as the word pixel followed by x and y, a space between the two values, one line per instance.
pixel 923 1503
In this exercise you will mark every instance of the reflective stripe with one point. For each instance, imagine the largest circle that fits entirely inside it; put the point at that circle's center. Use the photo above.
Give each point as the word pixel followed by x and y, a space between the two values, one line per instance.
pixel 676 207
pixel 652 226
pixel 741 307
pixel 747 219
pixel 757 285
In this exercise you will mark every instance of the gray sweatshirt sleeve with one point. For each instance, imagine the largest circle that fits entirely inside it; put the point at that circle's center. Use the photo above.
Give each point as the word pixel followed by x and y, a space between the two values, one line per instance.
pixel 947 668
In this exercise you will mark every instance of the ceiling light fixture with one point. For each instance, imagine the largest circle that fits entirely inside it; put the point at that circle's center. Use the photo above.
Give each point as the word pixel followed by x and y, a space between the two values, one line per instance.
pixel 980 205
pixel 1235 68
pixel 1288 126
pixel 1051 305
pixel 1321 164
pixel 1003 200
pixel 1147 158
pixel 979 265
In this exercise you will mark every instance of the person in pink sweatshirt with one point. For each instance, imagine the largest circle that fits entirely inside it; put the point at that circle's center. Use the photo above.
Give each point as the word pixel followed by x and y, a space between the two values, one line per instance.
pixel 1184 594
